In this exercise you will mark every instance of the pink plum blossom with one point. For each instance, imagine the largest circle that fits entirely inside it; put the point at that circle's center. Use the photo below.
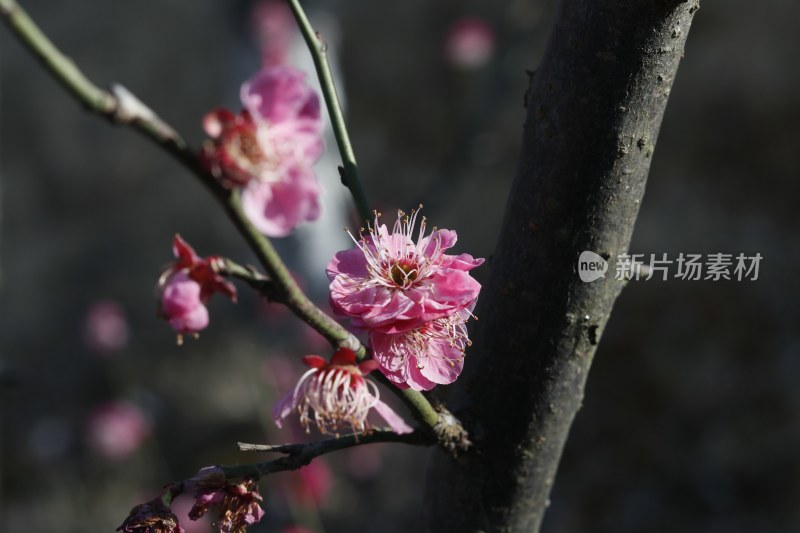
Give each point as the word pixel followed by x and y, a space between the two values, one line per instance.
pixel 187 285
pixel 106 331
pixel 151 517
pixel 181 304
pixel 392 283
pixel 117 429
pixel 469 43
pixel 336 396
pixel 274 27
pixel 311 484
pixel 268 149
pixel 421 358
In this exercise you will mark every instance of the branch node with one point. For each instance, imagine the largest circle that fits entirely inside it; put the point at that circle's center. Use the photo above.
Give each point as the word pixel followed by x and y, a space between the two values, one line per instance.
pixel 130 110
pixel 450 434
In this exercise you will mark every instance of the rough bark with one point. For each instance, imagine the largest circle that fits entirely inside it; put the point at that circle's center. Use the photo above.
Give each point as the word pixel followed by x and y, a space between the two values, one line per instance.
pixel 594 109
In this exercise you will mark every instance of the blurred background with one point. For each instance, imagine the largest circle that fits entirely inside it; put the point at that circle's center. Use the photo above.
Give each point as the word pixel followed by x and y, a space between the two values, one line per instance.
pixel 690 421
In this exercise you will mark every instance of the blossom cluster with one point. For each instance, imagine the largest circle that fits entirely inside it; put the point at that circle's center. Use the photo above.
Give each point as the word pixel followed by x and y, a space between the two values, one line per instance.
pixel 400 289
pixel 410 297
pixel 232 505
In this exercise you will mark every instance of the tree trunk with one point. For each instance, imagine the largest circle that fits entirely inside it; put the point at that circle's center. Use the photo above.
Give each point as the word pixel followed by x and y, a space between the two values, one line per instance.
pixel 594 109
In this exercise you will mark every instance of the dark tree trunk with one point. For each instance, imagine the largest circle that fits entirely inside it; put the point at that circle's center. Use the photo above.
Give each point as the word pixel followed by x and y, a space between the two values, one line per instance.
pixel 593 113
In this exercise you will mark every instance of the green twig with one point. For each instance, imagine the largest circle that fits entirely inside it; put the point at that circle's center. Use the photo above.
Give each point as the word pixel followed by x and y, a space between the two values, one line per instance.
pixel 349 169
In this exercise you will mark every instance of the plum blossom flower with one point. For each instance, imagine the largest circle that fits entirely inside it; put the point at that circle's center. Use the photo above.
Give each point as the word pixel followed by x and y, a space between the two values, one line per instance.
pixel 421 358
pixel 151 517
pixel 469 43
pixel 392 283
pixel 234 506
pixel 187 285
pixel 117 429
pixel 336 396
pixel 268 149
pixel 106 329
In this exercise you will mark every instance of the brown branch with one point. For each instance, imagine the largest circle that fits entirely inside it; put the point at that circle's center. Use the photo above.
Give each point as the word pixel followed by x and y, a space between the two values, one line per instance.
pixel 593 114
pixel 299 455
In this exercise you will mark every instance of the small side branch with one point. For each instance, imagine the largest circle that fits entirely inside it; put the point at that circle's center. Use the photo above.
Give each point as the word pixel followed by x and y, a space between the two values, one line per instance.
pixel 299 455
pixel 249 274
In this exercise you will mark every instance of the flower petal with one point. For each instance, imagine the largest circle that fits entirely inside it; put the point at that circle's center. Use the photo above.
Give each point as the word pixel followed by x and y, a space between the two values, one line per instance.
pixel 394 420
pixel 275 209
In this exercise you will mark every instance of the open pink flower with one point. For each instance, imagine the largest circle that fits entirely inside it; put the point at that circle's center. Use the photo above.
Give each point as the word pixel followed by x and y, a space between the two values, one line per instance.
pixel 392 283
pixel 337 396
pixel 421 358
pixel 187 285
pixel 269 148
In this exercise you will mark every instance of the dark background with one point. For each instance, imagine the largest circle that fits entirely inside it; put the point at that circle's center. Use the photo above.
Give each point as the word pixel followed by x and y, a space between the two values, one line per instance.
pixel 690 421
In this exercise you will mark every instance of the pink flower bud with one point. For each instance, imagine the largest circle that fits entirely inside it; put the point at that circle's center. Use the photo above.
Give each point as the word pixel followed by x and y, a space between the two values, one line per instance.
pixel 182 306
pixel 187 285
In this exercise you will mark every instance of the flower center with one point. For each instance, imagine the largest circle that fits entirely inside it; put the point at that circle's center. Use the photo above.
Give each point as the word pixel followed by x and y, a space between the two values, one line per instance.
pixel 403 274
pixel 245 148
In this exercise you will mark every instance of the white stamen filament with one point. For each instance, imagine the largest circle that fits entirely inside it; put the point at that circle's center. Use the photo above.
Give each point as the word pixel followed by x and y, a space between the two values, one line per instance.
pixel 339 396
pixel 395 260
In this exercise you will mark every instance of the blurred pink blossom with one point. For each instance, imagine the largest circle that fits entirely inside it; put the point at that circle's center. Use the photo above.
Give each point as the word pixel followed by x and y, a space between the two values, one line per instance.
pixel 117 429
pixel 311 485
pixel 274 26
pixel 336 396
pixel 469 43
pixel 269 148
pixel 106 328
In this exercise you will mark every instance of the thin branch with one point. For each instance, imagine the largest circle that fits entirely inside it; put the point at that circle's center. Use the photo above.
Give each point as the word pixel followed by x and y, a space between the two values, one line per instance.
pixel 249 274
pixel 299 455
pixel 349 168
pixel 120 106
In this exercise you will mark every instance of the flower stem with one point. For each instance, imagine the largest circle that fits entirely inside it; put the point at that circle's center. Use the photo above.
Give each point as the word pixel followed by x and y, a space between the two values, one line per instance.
pixel 319 49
